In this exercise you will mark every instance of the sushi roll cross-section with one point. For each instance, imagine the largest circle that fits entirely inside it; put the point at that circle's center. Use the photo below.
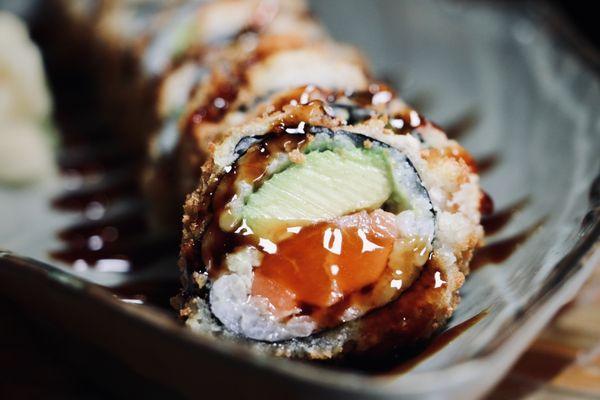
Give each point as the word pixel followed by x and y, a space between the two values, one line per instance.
pixel 317 223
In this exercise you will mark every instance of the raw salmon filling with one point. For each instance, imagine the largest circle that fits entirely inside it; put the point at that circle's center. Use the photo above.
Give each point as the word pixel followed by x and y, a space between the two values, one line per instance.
pixel 314 230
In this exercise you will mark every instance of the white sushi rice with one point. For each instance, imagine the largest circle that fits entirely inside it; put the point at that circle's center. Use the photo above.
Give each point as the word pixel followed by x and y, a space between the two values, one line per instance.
pixel 251 316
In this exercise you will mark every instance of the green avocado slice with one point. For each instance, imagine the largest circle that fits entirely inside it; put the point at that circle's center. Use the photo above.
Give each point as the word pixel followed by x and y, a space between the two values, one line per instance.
pixel 327 184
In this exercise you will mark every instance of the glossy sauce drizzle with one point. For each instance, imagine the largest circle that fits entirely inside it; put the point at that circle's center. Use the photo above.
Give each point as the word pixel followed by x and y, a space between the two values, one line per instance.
pixel 229 82
pixel 112 234
pixel 216 242
pixel 215 108
pixel 494 222
pixel 100 171
pixel 501 250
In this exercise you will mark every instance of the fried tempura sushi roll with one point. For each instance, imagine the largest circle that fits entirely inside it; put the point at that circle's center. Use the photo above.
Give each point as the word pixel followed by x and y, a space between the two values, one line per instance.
pixel 331 226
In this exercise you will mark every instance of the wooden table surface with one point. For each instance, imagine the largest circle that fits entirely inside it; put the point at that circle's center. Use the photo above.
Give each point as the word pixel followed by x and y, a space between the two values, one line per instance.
pixel 563 363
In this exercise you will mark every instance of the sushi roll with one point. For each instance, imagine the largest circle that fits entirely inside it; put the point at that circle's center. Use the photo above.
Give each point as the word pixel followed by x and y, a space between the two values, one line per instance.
pixel 336 224
pixel 288 28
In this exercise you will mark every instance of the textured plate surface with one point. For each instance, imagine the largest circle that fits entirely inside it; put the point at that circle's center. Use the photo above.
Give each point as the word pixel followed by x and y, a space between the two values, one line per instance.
pixel 526 101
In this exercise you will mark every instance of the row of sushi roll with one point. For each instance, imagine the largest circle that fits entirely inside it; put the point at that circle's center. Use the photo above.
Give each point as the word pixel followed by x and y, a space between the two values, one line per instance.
pixel 322 216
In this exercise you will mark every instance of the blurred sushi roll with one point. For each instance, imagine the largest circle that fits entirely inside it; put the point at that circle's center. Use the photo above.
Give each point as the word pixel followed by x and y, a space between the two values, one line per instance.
pixel 202 27
pixel 128 49
pixel 336 223
pixel 96 48
pixel 218 66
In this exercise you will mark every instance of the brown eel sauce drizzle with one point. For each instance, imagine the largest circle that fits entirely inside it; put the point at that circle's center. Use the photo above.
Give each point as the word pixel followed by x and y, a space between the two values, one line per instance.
pixel 217 243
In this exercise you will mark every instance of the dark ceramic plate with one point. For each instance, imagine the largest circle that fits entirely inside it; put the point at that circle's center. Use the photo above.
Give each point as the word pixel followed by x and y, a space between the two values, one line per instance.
pixel 520 90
